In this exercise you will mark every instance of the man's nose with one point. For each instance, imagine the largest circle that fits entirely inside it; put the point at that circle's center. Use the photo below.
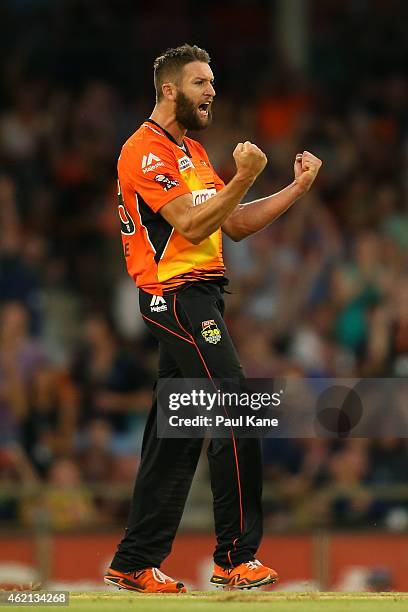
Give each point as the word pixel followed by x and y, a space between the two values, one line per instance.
pixel 210 91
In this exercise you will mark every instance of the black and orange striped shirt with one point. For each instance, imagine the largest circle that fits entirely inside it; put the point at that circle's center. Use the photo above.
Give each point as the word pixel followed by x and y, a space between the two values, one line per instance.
pixel 153 170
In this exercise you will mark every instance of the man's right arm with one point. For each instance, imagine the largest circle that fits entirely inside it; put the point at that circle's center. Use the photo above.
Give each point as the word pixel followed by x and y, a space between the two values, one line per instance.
pixel 195 223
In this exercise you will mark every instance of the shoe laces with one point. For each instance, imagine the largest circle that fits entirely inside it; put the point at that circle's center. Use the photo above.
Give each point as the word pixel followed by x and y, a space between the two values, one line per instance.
pixel 160 576
pixel 253 564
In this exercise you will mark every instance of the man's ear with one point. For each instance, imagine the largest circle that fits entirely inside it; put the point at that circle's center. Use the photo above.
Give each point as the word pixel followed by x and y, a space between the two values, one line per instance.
pixel 169 91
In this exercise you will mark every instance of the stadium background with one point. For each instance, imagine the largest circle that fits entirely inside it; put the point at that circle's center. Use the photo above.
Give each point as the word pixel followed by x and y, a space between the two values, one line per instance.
pixel 323 292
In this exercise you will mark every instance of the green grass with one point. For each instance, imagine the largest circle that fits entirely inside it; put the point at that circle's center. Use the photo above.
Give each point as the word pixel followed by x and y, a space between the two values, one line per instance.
pixel 214 601
pixel 232 601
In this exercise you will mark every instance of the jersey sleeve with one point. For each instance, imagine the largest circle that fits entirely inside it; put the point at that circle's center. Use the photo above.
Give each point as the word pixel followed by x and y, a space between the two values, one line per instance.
pixel 152 171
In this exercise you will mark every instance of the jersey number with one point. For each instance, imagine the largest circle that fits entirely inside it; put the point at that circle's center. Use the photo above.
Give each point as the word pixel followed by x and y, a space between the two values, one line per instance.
pixel 127 225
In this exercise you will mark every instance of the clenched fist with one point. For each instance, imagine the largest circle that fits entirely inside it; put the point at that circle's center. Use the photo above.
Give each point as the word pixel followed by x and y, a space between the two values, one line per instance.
pixel 249 159
pixel 306 167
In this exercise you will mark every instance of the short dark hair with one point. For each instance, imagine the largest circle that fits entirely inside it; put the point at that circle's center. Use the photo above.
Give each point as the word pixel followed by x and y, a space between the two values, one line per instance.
pixel 171 62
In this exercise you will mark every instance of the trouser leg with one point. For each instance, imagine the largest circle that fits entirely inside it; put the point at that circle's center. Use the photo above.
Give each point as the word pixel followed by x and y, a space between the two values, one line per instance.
pixel 235 464
pixel 163 481
pixel 237 505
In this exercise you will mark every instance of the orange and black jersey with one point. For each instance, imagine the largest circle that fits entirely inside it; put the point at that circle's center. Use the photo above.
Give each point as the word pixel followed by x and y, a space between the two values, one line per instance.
pixel 153 170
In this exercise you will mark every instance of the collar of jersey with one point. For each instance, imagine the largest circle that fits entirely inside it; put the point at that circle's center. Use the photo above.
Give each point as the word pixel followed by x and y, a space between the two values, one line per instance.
pixel 183 147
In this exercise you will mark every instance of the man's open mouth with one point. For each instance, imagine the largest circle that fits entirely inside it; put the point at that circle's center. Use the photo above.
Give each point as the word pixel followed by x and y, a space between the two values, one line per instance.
pixel 203 109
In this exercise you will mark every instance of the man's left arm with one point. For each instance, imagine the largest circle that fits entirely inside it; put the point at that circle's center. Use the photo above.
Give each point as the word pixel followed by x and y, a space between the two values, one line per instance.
pixel 254 216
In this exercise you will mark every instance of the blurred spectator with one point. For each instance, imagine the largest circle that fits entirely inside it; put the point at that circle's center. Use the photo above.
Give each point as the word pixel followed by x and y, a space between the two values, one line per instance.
pixel 65 502
pixel 50 425
pixel 96 458
pixel 388 461
pixel 16 472
pixel 19 278
pixel 21 357
pixel 111 382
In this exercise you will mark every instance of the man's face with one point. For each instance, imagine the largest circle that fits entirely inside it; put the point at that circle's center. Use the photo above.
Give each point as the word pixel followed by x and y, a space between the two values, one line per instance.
pixel 195 94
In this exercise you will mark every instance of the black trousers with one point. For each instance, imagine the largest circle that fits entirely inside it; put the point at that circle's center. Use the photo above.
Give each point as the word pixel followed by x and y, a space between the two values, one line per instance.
pixel 168 465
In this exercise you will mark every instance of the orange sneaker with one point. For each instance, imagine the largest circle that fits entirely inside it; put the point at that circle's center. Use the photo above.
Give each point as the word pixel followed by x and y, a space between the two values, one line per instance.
pixel 244 576
pixel 149 580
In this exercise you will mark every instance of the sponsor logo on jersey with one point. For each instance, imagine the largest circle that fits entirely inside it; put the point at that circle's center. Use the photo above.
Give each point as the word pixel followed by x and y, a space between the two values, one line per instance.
pixel 150 162
pixel 166 181
pixel 202 195
pixel 184 163
pixel 210 331
pixel 158 304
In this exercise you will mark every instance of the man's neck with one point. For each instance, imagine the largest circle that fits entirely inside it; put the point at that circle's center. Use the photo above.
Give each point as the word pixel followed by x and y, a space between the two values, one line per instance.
pixel 169 123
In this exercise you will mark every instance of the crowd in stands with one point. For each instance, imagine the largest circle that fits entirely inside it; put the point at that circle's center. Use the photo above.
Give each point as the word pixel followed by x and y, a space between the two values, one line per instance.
pixel 323 292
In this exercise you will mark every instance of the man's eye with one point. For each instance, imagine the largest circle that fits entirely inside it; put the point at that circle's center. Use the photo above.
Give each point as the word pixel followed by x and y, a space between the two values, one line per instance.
pixel 199 82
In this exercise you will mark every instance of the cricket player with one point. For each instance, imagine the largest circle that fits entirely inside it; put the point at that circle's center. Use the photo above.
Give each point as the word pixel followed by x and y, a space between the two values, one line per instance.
pixel 173 209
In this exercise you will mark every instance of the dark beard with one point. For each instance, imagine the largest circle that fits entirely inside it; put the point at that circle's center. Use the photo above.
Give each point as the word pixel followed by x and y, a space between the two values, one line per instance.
pixel 187 114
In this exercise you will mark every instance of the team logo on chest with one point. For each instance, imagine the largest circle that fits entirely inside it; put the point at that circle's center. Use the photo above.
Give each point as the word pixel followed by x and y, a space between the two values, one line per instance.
pixel 210 331
pixel 184 163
